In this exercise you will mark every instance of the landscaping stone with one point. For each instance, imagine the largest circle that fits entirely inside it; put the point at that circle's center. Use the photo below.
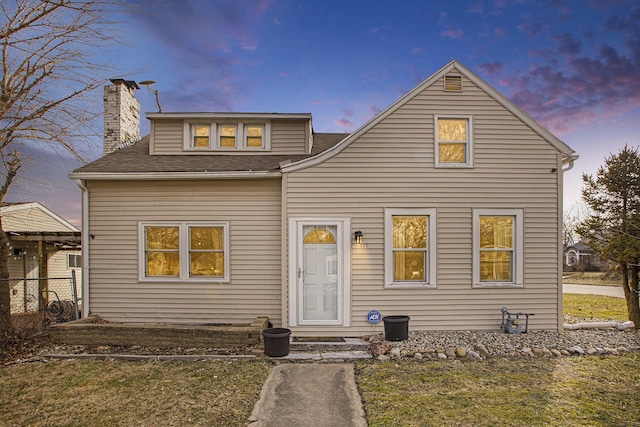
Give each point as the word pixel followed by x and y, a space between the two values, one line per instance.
pixel 461 352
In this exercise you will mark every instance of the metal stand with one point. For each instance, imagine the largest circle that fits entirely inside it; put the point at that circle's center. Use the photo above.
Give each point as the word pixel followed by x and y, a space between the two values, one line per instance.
pixel 511 322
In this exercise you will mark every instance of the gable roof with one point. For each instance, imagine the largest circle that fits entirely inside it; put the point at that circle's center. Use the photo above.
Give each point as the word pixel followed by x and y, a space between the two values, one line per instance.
pixel 453 65
pixel 32 217
pixel 135 162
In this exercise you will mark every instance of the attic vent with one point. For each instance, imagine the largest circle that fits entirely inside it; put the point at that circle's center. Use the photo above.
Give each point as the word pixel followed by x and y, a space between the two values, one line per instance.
pixel 453 83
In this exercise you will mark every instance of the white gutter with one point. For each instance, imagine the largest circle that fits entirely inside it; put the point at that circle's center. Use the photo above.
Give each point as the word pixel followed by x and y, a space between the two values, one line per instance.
pixel 85 247
pixel 173 175
pixel 569 160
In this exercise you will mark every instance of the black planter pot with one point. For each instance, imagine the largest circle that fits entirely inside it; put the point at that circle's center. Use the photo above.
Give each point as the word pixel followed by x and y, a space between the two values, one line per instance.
pixel 396 328
pixel 276 341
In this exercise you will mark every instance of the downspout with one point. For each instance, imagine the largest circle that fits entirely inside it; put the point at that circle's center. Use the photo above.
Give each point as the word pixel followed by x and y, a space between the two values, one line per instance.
pixel 566 164
pixel 85 247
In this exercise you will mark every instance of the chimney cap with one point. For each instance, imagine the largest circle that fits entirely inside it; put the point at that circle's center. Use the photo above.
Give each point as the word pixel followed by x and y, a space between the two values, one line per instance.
pixel 131 84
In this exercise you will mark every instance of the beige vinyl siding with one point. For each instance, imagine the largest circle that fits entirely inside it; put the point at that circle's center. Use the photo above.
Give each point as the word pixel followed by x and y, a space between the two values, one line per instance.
pixel 57 268
pixel 392 166
pixel 31 219
pixel 252 209
pixel 287 137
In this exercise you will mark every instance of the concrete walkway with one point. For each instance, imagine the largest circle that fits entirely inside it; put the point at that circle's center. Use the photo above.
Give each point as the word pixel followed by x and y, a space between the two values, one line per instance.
pixel 609 291
pixel 309 395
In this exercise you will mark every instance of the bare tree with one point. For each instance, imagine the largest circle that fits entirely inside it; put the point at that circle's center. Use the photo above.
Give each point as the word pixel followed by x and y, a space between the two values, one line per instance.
pixel 50 69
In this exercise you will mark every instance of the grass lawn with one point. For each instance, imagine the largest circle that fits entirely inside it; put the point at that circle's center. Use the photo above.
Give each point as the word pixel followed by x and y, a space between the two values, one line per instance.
pixel 116 393
pixel 592 278
pixel 595 306
pixel 584 391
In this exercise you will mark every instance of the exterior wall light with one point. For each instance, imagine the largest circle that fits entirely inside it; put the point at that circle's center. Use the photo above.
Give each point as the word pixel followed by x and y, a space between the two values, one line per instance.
pixel 358 236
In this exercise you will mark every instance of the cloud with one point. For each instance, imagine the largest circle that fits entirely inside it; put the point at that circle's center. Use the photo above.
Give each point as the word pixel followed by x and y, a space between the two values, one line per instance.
pixel 442 16
pixel 250 45
pixel 416 51
pixel 477 8
pixel 344 124
pixel 532 29
pixel 316 102
pixel 592 88
pixel 201 45
pixel 451 32
pixel 491 68
pixel 501 32
pixel 568 44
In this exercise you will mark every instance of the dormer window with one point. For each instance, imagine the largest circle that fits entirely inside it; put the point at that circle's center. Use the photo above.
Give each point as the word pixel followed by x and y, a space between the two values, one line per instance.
pixel 227 136
pixel 253 136
pixel 201 136
pixel 236 136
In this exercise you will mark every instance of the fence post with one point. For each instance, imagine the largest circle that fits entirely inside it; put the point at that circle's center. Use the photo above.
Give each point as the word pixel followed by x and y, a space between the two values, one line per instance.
pixel 74 287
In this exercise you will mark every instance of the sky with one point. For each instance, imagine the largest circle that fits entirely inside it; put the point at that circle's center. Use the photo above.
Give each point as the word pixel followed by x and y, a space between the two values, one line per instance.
pixel 574 66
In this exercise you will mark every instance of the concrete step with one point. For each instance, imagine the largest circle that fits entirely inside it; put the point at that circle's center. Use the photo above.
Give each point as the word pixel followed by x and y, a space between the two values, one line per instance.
pixel 311 345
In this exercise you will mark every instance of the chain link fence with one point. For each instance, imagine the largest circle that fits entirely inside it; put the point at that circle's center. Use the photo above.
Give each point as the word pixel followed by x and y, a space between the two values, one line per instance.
pixel 57 298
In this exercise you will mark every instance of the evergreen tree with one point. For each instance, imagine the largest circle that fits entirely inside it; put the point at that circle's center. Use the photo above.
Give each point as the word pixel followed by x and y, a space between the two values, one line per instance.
pixel 613 225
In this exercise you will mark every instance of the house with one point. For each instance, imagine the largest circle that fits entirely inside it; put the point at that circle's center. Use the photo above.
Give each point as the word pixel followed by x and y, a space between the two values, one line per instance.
pixel 445 207
pixel 44 250
pixel 581 257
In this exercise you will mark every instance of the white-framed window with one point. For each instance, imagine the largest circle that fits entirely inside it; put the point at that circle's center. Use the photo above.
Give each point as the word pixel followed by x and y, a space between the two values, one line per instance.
pixel 498 247
pixel 227 136
pixel 198 135
pixel 454 141
pixel 184 251
pixel 410 247
pixel 74 261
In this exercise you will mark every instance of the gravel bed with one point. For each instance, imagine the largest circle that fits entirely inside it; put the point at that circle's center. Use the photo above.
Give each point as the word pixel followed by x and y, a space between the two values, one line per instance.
pixel 482 344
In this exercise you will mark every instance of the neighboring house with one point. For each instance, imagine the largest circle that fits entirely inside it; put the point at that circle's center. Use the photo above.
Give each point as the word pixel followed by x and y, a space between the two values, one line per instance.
pixel 43 245
pixel 445 207
pixel 582 257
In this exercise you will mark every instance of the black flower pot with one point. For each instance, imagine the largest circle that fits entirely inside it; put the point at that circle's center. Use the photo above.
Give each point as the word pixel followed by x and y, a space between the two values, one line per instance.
pixel 276 341
pixel 396 328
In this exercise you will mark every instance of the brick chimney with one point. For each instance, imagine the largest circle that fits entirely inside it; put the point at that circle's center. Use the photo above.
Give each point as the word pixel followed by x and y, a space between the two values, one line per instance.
pixel 121 115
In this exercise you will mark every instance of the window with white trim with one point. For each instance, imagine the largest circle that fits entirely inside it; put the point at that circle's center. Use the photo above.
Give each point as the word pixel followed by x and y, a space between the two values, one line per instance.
pixel 184 251
pixel 454 141
pixel 227 136
pixel 498 247
pixel 74 261
pixel 410 247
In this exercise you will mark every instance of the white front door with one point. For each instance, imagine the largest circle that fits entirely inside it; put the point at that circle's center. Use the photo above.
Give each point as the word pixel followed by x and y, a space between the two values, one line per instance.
pixel 319 298
pixel 319 284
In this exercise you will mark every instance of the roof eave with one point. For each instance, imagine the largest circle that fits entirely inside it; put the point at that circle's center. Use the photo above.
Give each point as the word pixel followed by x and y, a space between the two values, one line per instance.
pixel 159 176
pixel 235 116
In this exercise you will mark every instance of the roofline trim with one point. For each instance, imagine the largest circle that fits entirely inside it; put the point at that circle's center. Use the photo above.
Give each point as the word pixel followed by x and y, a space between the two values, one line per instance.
pixel 226 115
pixel 453 64
pixel 155 176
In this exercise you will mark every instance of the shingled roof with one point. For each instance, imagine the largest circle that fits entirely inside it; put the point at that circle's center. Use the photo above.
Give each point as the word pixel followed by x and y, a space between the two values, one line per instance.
pixel 136 159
